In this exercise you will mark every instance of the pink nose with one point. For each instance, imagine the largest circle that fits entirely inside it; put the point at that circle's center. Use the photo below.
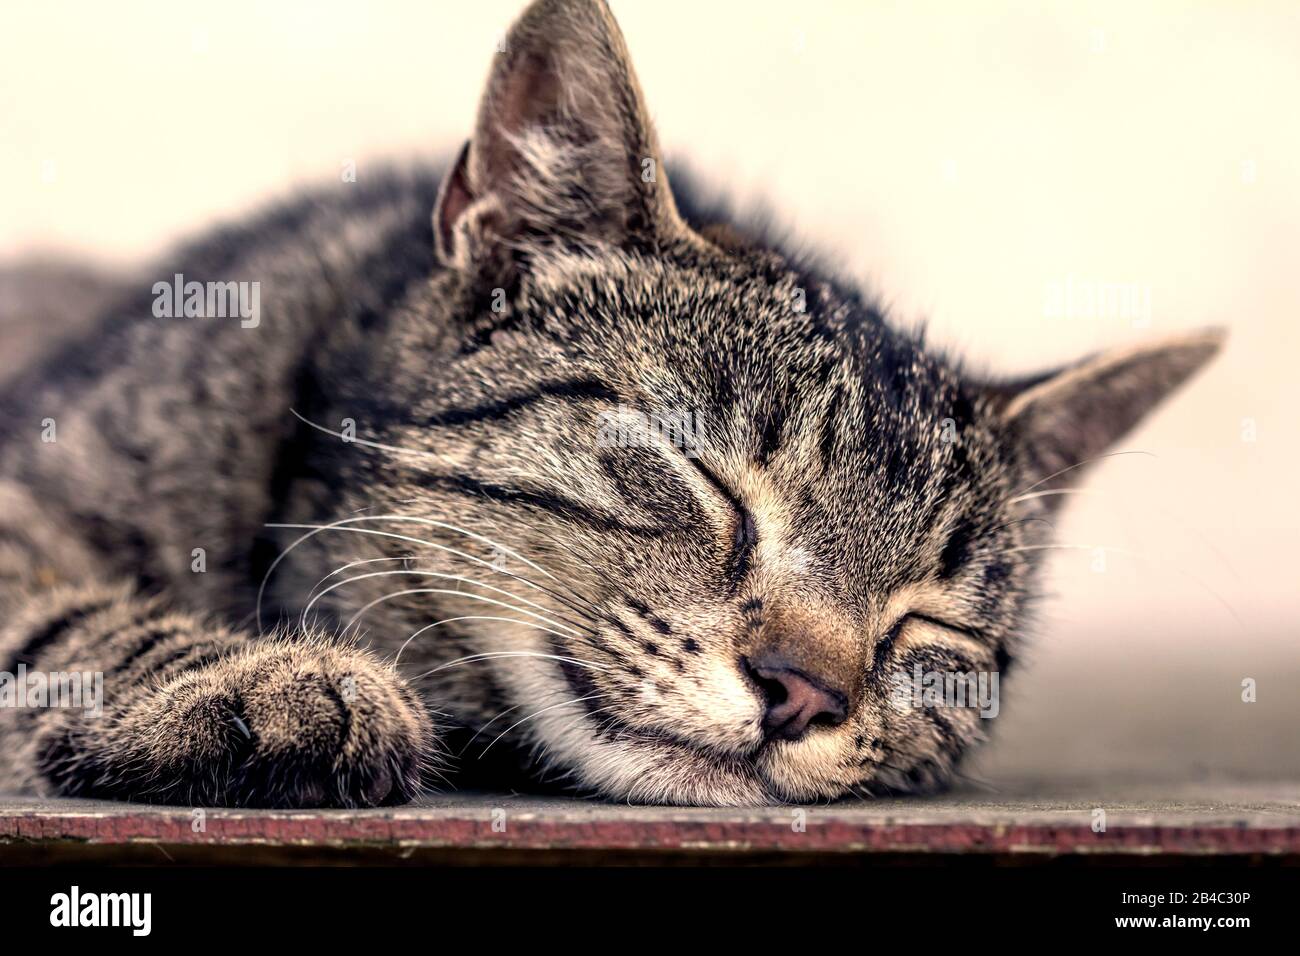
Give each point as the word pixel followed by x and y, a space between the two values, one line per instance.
pixel 795 700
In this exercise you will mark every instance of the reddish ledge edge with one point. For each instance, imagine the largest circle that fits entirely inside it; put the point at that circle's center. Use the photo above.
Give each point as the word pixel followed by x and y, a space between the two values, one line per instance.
pixel 308 829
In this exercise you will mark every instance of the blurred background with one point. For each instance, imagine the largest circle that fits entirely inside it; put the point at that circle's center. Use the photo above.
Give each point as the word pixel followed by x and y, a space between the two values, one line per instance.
pixel 1035 182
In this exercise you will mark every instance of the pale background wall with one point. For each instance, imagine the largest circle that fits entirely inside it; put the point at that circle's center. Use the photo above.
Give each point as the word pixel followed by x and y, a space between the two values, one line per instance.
pixel 963 157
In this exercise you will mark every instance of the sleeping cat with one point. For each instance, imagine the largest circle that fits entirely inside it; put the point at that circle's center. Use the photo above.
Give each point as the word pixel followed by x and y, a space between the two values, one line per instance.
pixel 582 483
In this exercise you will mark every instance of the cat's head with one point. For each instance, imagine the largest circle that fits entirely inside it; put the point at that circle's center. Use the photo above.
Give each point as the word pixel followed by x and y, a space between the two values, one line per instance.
pixel 738 511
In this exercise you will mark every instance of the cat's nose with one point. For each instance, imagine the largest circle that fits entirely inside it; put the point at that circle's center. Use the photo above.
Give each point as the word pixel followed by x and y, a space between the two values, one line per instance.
pixel 795 700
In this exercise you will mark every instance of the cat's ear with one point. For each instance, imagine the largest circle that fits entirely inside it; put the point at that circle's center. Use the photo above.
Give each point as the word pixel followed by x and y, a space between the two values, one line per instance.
pixel 563 151
pixel 1078 413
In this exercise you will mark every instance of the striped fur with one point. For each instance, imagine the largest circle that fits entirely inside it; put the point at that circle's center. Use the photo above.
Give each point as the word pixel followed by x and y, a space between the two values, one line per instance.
pixel 405 504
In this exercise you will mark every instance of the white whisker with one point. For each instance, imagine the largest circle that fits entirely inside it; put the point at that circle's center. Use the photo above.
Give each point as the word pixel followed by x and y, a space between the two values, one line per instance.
pixel 447 591
pixel 1169 516
pixel 313 530
pixel 1132 554
pixel 508 710
pixel 494 655
pixel 352 564
pixel 538 713
pixel 435 574
pixel 494 719
pixel 1080 464
pixel 365 443
pixel 470 617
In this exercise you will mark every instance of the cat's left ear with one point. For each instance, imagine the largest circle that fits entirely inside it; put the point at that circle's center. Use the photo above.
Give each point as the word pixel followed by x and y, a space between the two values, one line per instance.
pixel 1078 413
pixel 563 151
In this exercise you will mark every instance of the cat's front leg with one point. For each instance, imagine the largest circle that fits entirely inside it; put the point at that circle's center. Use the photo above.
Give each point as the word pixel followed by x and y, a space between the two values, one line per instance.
pixel 198 714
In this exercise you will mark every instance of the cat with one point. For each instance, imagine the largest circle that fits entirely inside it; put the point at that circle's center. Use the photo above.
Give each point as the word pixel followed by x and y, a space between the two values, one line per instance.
pixel 582 483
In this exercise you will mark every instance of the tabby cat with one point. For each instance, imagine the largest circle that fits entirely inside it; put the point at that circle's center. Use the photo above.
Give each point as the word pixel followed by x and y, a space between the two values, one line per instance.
pixel 583 483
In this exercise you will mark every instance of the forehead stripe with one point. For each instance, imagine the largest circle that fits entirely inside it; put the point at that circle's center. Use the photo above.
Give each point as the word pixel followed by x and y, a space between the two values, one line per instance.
pixel 567 390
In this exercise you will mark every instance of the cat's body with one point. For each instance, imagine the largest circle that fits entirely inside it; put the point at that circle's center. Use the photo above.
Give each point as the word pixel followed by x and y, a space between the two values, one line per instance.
pixel 423 411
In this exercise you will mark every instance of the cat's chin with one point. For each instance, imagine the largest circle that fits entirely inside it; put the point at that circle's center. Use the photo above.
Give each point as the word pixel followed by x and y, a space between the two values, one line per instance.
pixel 664 771
pixel 681 775
pixel 672 773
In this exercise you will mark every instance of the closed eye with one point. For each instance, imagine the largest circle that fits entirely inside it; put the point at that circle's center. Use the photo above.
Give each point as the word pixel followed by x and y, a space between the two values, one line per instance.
pixel 939 622
pixel 745 536
pixel 887 642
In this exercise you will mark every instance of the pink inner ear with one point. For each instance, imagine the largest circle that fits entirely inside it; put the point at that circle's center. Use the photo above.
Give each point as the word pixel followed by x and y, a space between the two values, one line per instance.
pixel 526 93
pixel 529 94
pixel 456 198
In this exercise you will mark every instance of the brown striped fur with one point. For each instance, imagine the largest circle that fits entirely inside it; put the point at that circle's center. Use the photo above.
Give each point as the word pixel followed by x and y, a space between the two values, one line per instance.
pixel 525 598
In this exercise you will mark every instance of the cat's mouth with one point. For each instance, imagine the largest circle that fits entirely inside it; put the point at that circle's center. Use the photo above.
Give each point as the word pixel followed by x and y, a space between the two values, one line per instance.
pixel 614 728
pixel 611 726
pixel 659 765
pixel 700 774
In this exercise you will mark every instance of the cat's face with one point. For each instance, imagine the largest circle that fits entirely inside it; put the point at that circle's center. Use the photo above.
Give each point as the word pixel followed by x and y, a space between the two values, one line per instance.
pixel 761 506
pixel 736 514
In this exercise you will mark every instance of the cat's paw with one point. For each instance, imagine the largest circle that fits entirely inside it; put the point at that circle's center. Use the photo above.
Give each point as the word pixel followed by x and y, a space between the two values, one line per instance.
pixel 282 724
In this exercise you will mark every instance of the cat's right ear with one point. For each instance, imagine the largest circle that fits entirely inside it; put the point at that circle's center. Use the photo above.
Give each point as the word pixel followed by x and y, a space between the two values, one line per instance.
pixel 563 151
pixel 1067 418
